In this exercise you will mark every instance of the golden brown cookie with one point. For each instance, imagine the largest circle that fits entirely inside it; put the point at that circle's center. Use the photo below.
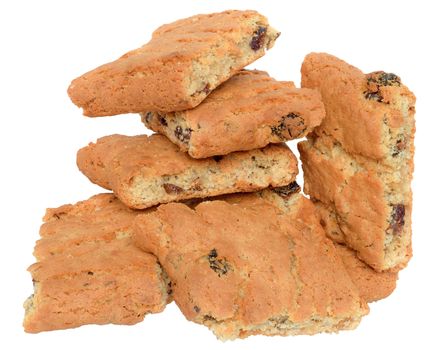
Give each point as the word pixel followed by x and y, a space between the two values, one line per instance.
pixel 182 63
pixel 256 263
pixel 359 161
pixel 372 285
pixel 248 111
pixel 144 171
pixel 88 270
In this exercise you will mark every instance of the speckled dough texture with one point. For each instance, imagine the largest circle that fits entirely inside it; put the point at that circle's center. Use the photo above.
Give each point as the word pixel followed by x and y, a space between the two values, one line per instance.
pixel 88 270
pixel 144 171
pixel 182 63
pixel 248 111
pixel 359 161
pixel 249 264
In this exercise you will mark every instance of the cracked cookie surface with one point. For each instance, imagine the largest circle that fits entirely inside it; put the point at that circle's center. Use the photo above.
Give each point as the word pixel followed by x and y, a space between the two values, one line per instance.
pixel 88 270
pixel 359 161
pixel 144 171
pixel 249 264
pixel 181 64
pixel 248 111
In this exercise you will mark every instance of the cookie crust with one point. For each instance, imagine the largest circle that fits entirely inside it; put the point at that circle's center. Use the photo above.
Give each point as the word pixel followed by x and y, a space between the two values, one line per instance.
pixel 359 161
pixel 89 272
pixel 249 264
pixel 181 64
pixel 248 111
pixel 144 171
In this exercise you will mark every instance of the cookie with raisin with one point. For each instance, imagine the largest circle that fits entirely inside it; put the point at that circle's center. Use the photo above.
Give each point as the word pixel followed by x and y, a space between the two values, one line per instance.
pixel 255 263
pixel 248 111
pixel 177 69
pixel 359 161
pixel 144 171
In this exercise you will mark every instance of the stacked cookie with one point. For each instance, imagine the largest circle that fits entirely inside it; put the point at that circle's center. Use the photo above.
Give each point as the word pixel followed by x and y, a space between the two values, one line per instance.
pixel 258 257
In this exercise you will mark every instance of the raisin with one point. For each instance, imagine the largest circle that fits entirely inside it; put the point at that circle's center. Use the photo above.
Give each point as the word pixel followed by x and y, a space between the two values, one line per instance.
pixel 183 135
pixel 375 81
pixel 90 273
pixel 400 145
pixel 290 126
pixel 218 265
pixel 383 79
pixel 197 309
pixel 148 117
pixel 258 39
pixel 172 189
pixel 217 159
pixel 206 88
pixel 397 219
pixel 162 120
pixel 286 191
pixel 375 96
pixel 322 223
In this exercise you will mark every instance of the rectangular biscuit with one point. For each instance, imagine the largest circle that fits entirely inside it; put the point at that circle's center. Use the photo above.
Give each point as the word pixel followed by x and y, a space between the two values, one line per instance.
pixel 359 161
pixel 248 111
pixel 182 63
pixel 144 171
pixel 255 263
pixel 88 270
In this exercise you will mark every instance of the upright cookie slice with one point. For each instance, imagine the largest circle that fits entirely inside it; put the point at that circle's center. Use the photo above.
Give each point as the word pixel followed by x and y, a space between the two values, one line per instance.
pixel 88 270
pixel 255 263
pixel 182 63
pixel 359 161
pixel 248 111
pixel 144 171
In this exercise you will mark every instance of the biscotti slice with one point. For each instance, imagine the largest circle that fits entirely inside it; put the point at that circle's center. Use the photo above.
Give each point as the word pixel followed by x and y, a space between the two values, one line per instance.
pixel 248 111
pixel 359 161
pixel 144 171
pixel 88 270
pixel 182 63
pixel 252 265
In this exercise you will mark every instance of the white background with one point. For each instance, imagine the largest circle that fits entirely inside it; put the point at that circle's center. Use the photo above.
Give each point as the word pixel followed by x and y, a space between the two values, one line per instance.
pixel 44 45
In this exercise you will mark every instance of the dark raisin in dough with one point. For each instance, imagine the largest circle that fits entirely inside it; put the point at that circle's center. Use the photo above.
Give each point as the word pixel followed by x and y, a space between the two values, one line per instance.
pixel 258 38
pixel 397 219
pixel 218 265
pixel 171 188
pixel 183 134
pixel 290 126
pixel 288 190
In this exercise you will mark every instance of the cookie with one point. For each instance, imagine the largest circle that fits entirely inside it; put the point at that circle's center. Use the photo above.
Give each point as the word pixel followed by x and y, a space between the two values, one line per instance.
pixel 372 285
pixel 255 263
pixel 359 161
pixel 182 63
pixel 88 270
pixel 248 111
pixel 144 171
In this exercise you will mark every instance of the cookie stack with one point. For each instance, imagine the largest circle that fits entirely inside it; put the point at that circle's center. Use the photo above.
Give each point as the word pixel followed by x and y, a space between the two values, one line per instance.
pixel 207 212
